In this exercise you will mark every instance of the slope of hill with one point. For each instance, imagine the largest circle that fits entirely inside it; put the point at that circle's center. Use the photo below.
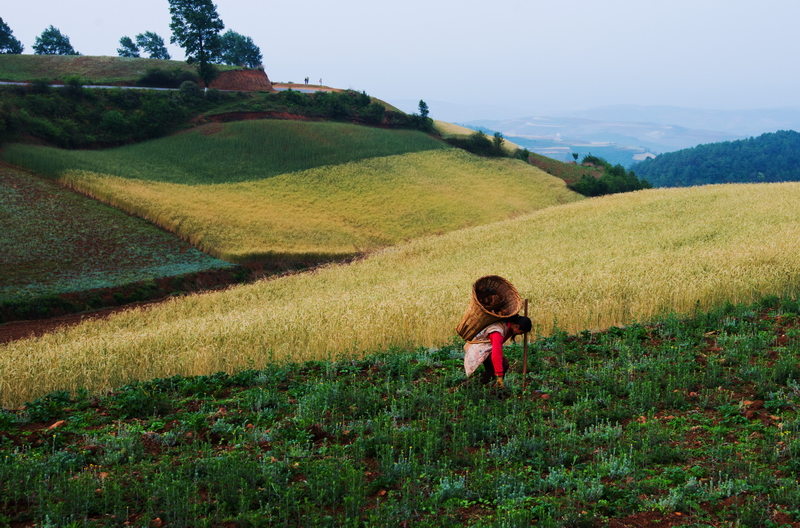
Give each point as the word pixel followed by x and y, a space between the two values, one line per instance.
pixel 335 211
pixel 569 172
pixel 584 266
pixel 231 152
pixel 92 70
pixel 355 194
pixel 771 157
pixel 63 252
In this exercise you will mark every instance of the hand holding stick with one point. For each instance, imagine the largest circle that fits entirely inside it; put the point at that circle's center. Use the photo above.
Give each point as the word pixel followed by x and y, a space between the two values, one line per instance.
pixel 525 353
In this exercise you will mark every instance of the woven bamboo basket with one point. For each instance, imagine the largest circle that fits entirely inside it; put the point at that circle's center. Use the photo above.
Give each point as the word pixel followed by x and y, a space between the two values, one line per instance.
pixel 493 298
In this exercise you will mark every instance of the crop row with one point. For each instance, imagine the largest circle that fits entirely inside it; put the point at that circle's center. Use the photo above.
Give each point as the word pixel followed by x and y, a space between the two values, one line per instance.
pixel 684 418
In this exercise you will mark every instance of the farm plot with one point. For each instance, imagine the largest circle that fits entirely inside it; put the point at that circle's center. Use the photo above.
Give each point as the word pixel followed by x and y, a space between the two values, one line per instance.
pixel 56 241
pixel 229 153
pixel 585 265
pixel 677 422
pixel 335 211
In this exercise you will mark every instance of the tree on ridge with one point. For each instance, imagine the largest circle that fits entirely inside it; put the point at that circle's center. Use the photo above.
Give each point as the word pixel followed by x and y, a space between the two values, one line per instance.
pixel 128 48
pixel 239 50
pixel 9 45
pixel 195 27
pixel 153 44
pixel 53 42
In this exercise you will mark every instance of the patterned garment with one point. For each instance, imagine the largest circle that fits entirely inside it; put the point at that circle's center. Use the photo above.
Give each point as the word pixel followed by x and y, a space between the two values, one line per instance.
pixel 480 347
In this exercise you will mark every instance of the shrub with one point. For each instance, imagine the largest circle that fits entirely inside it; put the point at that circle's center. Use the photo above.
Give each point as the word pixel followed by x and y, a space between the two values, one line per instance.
pixel 373 113
pixel 615 179
pixel 190 92
pixel 478 143
pixel 158 78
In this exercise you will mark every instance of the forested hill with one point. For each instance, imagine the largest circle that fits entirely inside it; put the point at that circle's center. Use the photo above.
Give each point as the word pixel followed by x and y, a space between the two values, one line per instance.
pixel 770 157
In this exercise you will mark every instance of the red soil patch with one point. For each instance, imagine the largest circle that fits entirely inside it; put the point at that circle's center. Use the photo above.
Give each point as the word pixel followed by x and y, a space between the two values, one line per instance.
pixel 243 81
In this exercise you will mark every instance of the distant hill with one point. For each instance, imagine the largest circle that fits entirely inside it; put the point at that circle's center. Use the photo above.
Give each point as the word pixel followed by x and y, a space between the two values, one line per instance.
pixel 744 123
pixel 617 141
pixel 771 157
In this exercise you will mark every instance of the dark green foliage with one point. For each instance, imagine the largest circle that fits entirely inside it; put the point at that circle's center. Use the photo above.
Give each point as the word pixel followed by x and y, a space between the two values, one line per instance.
pixel 239 50
pixel 615 179
pixel 8 42
pixel 480 144
pixel 349 105
pixel 523 154
pixel 497 141
pixel 771 157
pixel 423 108
pixel 75 117
pixel 48 407
pixel 153 44
pixel 195 27
pixel 53 42
pixel 373 113
pixel 158 78
pixel 127 47
pixel 190 92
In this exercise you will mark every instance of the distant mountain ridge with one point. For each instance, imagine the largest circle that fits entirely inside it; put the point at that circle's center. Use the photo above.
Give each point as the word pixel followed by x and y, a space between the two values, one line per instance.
pixel 583 131
pixel 770 157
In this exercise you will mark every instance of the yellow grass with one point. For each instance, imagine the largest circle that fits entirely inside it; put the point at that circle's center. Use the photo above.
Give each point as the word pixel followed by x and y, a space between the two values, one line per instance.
pixel 450 129
pixel 447 130
pixel 339 210
pixel 586 265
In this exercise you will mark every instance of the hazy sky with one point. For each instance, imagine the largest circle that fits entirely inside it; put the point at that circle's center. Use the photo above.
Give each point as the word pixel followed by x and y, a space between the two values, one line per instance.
pixel 537 56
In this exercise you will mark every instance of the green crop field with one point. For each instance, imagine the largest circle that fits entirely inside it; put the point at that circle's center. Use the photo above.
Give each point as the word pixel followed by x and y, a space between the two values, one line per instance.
pixel 228 153
pixel 679 422
pixel 56 241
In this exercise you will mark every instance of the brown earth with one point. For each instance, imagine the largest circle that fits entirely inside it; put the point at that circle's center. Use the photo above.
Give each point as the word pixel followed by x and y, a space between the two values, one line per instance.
pixel 243 80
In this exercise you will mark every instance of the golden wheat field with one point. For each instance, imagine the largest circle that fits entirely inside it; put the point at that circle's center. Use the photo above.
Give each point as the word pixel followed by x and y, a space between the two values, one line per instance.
pixel 335 210
pixel 585 265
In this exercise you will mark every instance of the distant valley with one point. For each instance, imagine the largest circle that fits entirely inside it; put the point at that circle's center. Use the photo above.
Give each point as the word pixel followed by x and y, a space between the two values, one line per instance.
pixel 623 134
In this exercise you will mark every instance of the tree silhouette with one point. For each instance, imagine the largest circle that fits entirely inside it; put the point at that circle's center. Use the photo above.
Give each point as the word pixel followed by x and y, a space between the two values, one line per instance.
pixel 53 42
pixel 195 27
pixel 9 45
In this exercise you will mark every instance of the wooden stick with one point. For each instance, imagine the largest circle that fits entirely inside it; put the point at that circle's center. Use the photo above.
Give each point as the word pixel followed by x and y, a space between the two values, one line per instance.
pixel 525 353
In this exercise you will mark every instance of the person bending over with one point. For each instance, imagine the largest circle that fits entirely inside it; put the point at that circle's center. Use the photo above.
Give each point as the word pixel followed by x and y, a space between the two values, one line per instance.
pixel 487 348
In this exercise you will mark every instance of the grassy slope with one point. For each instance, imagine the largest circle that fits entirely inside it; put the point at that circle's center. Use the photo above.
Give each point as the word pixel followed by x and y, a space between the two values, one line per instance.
pixel 332 209
pixel 56 241
pixel 336 211
pixel 227 153
pixel 591 264
pixel 448 130
pixel 98 70
pixel 568 172
pixel 679 422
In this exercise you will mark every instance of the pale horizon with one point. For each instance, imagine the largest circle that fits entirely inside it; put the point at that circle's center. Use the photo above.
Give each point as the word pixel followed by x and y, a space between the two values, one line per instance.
pixel 539 58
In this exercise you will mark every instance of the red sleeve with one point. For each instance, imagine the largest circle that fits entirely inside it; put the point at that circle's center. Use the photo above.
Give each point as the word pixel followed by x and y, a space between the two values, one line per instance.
pixel 497 352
